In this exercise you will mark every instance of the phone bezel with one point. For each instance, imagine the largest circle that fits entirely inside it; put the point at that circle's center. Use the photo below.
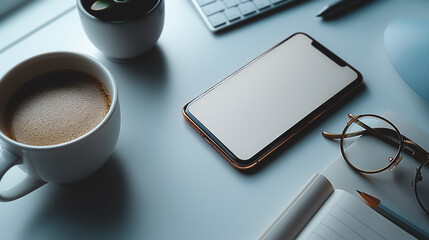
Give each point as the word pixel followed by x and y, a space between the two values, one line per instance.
pixel 287 135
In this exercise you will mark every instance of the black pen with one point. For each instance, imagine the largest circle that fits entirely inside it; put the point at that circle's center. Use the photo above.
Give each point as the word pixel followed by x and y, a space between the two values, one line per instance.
pixel 340 8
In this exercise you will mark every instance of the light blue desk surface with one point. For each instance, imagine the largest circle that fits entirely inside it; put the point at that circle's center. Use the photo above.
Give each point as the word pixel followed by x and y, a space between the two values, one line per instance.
pixel 164 181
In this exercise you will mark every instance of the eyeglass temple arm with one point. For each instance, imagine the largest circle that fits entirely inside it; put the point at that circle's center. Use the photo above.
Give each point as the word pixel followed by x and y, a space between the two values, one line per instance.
pixel 333 136
pixel 374 131
pixel 424 155
pixel 377 133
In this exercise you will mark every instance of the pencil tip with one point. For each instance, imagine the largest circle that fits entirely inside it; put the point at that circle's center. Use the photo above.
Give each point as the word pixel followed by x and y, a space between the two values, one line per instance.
pixel 359 191
pixel 322 11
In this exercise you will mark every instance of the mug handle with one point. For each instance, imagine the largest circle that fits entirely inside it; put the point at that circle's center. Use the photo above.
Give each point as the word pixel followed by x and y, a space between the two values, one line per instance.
pixel 29 184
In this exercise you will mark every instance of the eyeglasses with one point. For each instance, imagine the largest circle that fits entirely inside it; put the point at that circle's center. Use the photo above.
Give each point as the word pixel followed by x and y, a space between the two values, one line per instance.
pixel 390 144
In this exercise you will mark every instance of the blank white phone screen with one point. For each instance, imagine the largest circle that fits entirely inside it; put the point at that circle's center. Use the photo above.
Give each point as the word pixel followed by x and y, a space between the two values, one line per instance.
pixel 257 104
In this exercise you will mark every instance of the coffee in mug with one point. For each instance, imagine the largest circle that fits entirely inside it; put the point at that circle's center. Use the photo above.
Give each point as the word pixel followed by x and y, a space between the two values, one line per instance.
pixel 56 107
pixel 59 120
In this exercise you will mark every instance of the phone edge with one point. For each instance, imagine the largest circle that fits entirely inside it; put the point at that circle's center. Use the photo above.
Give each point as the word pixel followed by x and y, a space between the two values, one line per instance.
pixel 281 140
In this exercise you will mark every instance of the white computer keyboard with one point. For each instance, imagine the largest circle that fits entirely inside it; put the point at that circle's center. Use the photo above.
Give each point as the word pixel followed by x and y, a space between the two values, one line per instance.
pixel 221 14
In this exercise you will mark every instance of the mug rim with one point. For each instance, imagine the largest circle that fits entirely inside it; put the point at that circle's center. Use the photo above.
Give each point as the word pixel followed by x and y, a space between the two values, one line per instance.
pixel 113 92
pixel 87 14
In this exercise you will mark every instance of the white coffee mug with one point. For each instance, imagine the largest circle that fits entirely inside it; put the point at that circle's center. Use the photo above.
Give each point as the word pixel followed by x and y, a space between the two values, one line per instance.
pixel 66 162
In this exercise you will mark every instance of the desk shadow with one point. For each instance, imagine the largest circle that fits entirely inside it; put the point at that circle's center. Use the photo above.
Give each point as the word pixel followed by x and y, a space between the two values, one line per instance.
pixel 150 68
pixel 95 208
pixel 292 141
pixel 12 10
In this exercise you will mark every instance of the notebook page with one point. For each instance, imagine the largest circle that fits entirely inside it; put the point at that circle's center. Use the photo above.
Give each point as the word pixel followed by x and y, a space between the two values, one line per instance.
pixel 343 216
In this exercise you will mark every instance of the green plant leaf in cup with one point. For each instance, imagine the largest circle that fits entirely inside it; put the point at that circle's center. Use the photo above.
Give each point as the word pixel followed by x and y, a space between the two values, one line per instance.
pixel 101 5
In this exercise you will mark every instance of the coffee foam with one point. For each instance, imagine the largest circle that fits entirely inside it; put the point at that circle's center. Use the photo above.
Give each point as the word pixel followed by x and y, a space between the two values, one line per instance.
pixel 56 108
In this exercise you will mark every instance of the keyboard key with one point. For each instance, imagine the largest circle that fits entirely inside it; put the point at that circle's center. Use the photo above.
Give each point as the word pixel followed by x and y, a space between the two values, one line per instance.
pixel 247 8
pixel 205 2
pixel 213 8
pixel 230 3
pixel 232 14
pixel 217 20
pixel 262 4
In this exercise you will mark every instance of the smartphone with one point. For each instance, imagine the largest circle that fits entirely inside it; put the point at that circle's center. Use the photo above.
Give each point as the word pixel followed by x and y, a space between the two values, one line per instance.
pixel 249 114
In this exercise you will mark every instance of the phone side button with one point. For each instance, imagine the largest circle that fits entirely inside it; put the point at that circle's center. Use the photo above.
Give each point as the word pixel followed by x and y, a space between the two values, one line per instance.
pixel 218 150
pixel 208 141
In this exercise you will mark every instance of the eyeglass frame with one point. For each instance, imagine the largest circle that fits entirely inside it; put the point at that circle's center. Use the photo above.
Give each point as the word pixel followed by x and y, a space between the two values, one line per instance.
pixel 420 155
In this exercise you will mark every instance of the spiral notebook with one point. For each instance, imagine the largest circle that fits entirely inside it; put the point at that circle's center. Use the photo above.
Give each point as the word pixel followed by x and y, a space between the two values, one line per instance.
pixel 322 212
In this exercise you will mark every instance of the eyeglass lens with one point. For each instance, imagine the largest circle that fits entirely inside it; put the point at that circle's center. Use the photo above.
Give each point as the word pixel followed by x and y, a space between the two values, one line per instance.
pixel 371 130
pixel 422 186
